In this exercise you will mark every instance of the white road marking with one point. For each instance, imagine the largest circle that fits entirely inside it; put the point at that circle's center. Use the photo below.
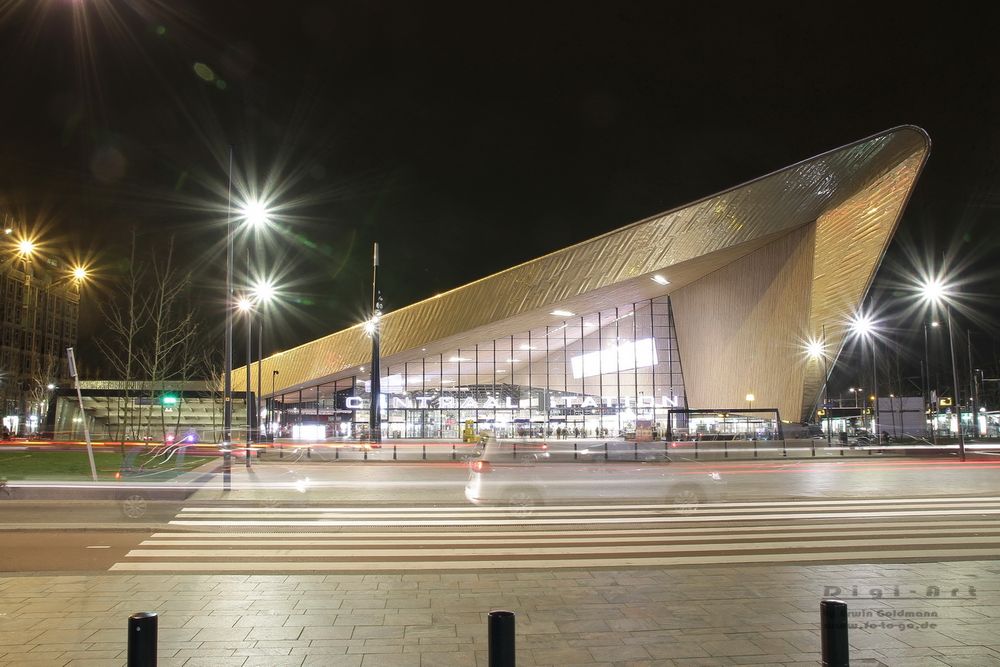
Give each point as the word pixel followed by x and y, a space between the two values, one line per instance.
pixel 483 521
pixel 276 540
pixel 477 564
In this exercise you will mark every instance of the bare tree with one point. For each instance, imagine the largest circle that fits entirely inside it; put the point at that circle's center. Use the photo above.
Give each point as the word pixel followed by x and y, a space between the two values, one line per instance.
pixel 126 315
pixel 171 329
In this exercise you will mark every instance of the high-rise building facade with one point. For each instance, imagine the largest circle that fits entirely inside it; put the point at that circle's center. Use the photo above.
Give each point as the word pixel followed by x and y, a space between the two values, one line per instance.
pixel 39 311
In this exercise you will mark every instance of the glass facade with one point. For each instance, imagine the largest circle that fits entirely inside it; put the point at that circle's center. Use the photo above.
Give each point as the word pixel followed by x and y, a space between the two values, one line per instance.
pixel 611 373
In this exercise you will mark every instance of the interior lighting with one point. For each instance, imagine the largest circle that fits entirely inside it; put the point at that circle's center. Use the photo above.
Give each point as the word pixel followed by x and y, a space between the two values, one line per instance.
pixel 660 279
pixel 562 313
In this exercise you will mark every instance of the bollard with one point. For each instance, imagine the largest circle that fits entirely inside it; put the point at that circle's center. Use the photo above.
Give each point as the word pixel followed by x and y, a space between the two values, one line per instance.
pixel 394 452
pixel 423 449
pixel 142 639
pixel 833 630
pixel 574 451
pixel 366 453
pixel 605 451
pixel 452 452
pixel 501 638
pixel 635 450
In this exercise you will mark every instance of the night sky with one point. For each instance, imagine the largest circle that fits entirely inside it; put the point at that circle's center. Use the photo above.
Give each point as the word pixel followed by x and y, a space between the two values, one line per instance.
pixel 469 137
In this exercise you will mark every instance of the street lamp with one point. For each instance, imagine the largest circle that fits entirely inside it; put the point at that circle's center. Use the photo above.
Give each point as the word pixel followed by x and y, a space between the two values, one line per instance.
pixel 816 349
pixel 935 293
pixel 750 401
pixel 263 291
pixel 245 305
pixel 270 413
pixel 374 329
pixel 927 386
pixel 863 327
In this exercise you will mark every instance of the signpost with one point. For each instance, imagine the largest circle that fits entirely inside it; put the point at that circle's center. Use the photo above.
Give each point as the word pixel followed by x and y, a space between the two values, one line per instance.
pixel 83 415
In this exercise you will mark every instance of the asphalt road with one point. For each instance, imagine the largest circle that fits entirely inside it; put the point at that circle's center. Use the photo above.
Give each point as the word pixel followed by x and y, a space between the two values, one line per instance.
pixel 68 534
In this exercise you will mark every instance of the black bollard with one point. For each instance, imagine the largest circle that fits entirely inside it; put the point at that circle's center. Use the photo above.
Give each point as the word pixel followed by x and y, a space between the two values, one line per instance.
pixel 833 630
pixel 142 639
pixel 501 638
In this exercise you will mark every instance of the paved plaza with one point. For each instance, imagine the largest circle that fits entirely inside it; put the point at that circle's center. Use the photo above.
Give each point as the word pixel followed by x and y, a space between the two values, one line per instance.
pixel 943 613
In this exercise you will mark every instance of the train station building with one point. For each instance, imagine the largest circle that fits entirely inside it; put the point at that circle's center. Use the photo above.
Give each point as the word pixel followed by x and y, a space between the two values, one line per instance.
pixel 669 322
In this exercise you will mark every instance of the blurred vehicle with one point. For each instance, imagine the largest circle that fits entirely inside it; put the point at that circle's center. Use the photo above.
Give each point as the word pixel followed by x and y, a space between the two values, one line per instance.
pixel 499 478
pixel 511 450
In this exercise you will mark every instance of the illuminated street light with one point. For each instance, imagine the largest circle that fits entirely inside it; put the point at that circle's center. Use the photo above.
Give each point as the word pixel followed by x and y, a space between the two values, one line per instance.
pixel 256 213
pixel 79 273
pixel 25 247
pixel 863 327
pixel 935 293
pixel 816 349
pixel 263 293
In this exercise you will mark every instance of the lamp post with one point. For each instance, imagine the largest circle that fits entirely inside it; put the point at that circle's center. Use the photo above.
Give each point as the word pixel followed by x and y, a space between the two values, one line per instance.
pixel 927 387
pixel 270 413
pixel 750 402
pixel 373 327
pixel 815 349
pixel 227 398
pixel 262 293
pixel 863 327
pixel 936 293
pixel 246 307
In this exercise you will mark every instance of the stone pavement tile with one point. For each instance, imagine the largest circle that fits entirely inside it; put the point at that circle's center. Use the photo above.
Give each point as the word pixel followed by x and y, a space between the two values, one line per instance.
pixel 704 662
pixel 360 603
pixel 274 632
pixel 310 620
pixel 221 634
pixel 215 661
pixel 407 618
pixel 232 646
pixel 970 660
pixel 317 603
pixel 766 659
pixel 327 632
pixel 274 661
pixel 206 653
pixel 912 661
pixel 436 631
pixel 165 635
pixel 374 648
pixel 804 640
pixel 397 660
pixel 332 644
pixel 261 620
pixel 984 634
pixel 676 649
pixel 47 659
pixel 561 656
pixel 281 643
pixel 65 636
pixel 590 625
pixel 612 653
pixel 450 659
pixel 17 637
pixel 95 662
pixel 359 619
pixel 213 621
pixel 378 632
pixel 926 637
pixel 731 647
pixel 774 645
pixel 332 661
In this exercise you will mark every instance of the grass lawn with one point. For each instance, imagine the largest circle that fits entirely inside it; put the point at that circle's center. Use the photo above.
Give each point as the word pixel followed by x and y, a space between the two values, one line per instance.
pixel 42 465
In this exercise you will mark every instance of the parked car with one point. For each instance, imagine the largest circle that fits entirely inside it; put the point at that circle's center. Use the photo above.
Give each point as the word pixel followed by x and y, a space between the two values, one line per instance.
pixel 497 478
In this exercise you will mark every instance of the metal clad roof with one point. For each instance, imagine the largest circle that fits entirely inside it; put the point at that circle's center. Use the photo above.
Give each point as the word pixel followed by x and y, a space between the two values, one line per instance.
pixel 689 241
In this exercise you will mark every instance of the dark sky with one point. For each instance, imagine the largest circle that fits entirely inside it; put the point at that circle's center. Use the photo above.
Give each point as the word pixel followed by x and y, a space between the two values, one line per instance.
pixel 468 137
